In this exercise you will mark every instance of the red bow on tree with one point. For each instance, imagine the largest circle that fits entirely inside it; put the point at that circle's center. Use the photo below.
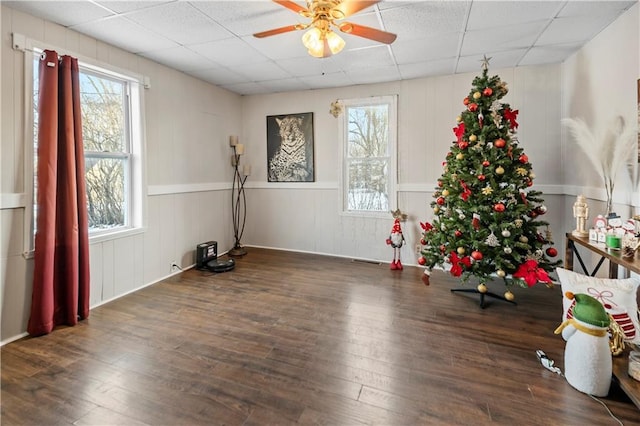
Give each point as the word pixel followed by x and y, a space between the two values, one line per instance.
pixel 466 192
pixel 531 274
pixel 426 226
pixel 457 263
pixel 459 131
pixel 511 115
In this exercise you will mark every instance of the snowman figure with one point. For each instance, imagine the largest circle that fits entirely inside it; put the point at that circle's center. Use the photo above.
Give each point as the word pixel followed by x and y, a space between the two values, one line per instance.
pixel 587 356
pixel 396 239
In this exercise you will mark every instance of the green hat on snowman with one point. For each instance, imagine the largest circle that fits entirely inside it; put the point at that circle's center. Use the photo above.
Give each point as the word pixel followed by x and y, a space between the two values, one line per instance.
pixel 589 310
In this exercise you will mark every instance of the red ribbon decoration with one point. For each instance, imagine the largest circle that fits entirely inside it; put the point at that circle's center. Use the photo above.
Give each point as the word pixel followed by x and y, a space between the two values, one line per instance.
pixel 531 274
pixel 602 296
pixel 459 131
pixel 511 115
pixel 426 226
pixel 458 263
pixel 466 192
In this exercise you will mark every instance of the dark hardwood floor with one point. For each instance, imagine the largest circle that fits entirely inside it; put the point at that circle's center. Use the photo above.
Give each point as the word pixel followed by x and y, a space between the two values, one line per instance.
pixel 290 338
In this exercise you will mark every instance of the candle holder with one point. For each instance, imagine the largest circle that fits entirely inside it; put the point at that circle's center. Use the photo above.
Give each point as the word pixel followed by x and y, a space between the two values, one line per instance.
pixel 238 196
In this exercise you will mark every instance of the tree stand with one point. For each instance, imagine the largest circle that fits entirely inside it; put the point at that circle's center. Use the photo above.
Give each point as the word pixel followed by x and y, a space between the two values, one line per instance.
pixel 482 295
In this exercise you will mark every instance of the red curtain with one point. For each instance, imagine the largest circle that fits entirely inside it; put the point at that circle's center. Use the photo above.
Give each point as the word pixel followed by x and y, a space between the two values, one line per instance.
pixel 61 271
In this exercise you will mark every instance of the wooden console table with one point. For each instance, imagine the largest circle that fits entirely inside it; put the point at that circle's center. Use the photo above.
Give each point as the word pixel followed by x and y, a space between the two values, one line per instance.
pixel 620 363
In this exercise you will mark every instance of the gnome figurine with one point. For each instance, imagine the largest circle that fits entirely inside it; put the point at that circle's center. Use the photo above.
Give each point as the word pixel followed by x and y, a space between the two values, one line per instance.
pixel 396 239
pixel 587 357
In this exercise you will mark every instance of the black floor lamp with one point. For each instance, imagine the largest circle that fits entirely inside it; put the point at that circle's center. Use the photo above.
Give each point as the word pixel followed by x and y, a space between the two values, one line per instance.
pixel 238 197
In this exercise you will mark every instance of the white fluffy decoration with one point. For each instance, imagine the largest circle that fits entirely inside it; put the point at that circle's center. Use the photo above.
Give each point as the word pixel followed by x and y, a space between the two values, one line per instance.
pixel 587 360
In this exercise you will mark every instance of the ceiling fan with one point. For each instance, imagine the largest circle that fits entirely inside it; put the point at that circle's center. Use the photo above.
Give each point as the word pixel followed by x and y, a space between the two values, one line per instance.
pixel 321 40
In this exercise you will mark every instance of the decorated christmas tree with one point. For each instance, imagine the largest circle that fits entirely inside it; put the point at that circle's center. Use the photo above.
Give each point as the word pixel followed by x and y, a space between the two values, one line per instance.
pixel 486 215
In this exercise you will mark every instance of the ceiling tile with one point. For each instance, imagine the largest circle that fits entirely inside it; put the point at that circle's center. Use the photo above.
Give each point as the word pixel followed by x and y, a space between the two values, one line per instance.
pixel 232 52
pixel 121 6
pixel 219 75
pixel 180 58
pixel 123 33
pixel 495 15
pixel 73 12
pixel 589 8
pixel 549 54
pixel 336 79
pixel 501 38
pixel 429 48
pixel 429 68
pixel 573 29
pixel 179 22
pixel 417 20
pixel 505 59
pixel 308 66
pixel 372 57
pixel 374 75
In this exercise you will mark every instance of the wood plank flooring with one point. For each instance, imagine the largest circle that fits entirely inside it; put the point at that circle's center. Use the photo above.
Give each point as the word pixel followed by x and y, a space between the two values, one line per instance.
pixel 290 338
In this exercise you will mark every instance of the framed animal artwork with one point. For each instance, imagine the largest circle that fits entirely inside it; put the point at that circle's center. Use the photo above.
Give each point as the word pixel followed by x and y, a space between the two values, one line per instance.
pixel 290 148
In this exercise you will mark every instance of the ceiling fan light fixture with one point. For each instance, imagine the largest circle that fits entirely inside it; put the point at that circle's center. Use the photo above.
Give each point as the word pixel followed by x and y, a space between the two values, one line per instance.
pixel 321 44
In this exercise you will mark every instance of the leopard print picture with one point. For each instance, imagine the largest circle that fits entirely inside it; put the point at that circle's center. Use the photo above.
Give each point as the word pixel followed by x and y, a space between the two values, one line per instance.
pixel 290 163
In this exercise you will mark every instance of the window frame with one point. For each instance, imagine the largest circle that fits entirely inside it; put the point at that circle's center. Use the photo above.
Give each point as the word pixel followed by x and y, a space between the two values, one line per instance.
pixel 392 173
pixel 135 212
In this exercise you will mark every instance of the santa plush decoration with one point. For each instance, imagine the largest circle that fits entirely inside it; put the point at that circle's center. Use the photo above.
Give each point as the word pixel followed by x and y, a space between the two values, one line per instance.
pixel 396 239
pixel 587 356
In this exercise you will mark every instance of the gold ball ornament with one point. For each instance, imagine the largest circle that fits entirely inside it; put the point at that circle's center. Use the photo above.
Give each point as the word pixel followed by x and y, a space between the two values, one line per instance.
pixel 482 288
pixel 509 296
pixel 458 119
pixel 473 138
pixel 460 156
pixel 436 209
pixel 445 192
pixel 501 273
pixel 499 170
pixel 524 239
pixel 477 95
pixel 461 251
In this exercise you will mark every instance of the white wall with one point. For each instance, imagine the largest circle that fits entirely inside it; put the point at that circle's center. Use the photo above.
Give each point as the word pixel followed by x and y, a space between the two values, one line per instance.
pixel 188 172
pixel 599 82
pixel 307 217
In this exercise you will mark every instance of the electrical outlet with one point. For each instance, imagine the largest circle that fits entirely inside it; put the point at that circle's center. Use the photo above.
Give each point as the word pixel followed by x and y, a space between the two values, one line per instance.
pixel 418 248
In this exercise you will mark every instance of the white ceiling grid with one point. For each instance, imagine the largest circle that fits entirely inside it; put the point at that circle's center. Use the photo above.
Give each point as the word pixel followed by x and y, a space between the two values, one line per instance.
pixel 212 40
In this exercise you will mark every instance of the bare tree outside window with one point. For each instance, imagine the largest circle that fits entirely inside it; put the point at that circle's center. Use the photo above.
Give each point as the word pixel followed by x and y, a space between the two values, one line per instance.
pixel 104 101
pixel 367 158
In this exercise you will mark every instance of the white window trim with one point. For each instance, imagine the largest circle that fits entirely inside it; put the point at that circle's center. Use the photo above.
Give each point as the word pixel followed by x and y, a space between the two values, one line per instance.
pixel 392 101
pixel 138 150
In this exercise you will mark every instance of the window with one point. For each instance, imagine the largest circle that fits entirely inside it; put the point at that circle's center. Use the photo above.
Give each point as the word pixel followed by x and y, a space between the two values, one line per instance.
pixel 112 136
pixel 368 133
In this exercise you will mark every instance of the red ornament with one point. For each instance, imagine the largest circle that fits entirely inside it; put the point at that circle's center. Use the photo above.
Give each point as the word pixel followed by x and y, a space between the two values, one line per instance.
pixel 422 260
pixel 423 242
pixel 499 207
pixel 440 183
pixel 440 201
pixel 473 107
pixel 443 248
pixel 486 163
pixel 499 143
pixel 529 182
pixel 481 178
pixel 523 158
pixel 533 214
pixel 463 144
pixel 476 255
pixel 552 252
pixel 488 91
pixel 466 101
pixel 458 233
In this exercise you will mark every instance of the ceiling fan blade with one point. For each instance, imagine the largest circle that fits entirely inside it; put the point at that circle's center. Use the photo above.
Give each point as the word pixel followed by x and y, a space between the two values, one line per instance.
pixel 292 6
pixel 280 30
pixel 349 7
pixel 367 32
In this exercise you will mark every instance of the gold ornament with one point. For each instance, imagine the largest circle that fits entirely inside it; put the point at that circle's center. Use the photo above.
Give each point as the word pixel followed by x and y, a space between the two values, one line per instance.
pixel 336 108
pixel 482 288
pixel 499 170
pixel 521 171
pixel 473 138
pixel 445 192
pixel 616 340
pixel 461 250
pixel 477 95
pixel 518 223
pixel 509 296
pixel 501 273
pixel 460 156
pixel 458 119
pixel 487 190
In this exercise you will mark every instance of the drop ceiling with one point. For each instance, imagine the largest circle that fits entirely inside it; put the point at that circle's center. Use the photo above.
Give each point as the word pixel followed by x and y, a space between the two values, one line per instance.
pixel 212 40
